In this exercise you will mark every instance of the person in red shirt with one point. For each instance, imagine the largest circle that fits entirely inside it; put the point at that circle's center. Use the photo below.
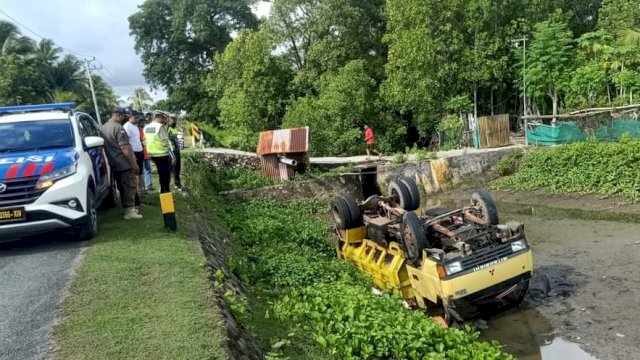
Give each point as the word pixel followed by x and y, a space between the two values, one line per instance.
pixel 370 141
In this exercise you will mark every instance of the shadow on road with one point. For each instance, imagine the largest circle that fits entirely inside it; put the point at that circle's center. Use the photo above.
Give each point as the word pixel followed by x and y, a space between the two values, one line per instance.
pixel 54 241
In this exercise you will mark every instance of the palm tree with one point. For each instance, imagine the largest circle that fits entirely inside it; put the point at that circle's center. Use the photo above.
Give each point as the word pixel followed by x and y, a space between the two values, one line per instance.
pixel 140 99
pixel 12 42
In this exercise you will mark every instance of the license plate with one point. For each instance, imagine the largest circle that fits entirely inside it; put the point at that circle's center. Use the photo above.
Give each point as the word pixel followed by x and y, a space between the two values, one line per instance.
pixel 8 215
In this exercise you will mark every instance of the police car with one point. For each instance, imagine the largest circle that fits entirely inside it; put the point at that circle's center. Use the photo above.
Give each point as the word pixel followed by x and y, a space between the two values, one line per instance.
pixel 53 171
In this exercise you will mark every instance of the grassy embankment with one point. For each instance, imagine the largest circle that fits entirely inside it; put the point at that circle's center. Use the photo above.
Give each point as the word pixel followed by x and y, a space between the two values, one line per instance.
pixel 140 293
pixel 304 298
pixel 590 167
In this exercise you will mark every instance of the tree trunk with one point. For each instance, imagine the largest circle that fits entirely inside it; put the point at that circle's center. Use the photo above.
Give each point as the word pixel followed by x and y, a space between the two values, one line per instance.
pixel 555 104
pixel 475 100
pixel 492 113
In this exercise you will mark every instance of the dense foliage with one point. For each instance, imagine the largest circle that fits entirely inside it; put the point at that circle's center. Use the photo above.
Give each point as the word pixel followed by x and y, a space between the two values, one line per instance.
pixel 38 72
pixel 396 65
pixel 282 251
pixel 607 168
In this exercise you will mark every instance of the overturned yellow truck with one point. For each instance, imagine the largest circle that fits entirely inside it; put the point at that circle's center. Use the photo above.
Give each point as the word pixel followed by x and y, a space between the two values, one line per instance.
pixel 460 263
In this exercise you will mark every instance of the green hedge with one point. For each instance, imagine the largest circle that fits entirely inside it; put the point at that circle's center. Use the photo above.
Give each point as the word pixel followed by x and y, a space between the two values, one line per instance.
pixel 606 168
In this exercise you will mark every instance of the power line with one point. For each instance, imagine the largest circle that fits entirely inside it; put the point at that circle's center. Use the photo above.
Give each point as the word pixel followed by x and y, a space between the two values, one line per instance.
pixel 40 36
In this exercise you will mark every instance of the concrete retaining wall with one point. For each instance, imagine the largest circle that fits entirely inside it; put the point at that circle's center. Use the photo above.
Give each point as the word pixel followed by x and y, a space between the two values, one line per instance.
pixel 231 159
pixel 443 173
pixel 321 189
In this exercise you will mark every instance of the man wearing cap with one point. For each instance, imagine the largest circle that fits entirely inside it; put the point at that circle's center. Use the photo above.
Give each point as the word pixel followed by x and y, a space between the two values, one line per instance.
pixel 159 149
pixel 122 161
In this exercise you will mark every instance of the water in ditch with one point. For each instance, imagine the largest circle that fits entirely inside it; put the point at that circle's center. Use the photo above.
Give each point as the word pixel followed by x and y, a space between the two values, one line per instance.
pixel 526 332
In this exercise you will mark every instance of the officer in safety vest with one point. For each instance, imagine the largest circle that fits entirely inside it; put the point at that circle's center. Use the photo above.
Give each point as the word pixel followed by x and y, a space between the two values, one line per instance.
pixel 159 149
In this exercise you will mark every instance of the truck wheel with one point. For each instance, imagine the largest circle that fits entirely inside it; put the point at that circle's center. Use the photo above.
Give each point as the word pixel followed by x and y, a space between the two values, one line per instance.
pixel 414 193
pixel 414 237
pixel 111 200
pixel 89 229
pixel 400 192
pixel 483 201
pixel 341 213
pixel 354 209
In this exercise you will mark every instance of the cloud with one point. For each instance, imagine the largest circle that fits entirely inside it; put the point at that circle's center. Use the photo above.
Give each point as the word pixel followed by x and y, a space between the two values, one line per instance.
pixel 93 28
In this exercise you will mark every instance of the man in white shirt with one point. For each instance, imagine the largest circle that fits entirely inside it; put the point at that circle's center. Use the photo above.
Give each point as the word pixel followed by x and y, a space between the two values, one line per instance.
pixel 132 129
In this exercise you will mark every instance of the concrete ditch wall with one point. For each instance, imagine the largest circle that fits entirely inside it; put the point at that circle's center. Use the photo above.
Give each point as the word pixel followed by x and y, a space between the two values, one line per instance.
pixel 446 172
pixel 321 189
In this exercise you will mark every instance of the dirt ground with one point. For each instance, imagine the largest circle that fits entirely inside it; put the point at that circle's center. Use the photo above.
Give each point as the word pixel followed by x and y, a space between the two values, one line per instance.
pixel 586 283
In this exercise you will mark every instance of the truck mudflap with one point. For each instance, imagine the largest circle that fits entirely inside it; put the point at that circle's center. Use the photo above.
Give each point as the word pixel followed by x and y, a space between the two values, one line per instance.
pixel 509 293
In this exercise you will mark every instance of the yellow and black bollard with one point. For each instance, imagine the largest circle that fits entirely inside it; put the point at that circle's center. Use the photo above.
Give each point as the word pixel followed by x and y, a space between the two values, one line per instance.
pixel 168 211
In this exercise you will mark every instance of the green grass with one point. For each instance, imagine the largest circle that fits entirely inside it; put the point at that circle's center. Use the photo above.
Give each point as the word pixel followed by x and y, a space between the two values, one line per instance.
pixel 140 293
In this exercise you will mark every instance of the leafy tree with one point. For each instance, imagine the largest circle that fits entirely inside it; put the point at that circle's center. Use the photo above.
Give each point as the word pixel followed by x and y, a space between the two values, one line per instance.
pixel 337 113
pixel 140 99
pixel 19 81
pixel 619 15
pixel 549 63
pixel 177 39
pixel 252 85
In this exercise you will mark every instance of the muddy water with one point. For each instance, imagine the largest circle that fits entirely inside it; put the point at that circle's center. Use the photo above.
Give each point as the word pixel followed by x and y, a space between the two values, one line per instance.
pixel 583 286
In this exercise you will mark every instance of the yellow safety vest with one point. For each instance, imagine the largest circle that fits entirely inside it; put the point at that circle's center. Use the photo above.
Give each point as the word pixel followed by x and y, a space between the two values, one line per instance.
pixel 155 147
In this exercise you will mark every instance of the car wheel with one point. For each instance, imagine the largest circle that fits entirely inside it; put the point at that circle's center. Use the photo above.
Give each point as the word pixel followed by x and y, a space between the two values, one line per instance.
pixel 89 229
pixel 414 237
pixel 354 209
pixel 482 200
pixel 414 193
pixel 341 213
pixel 399 191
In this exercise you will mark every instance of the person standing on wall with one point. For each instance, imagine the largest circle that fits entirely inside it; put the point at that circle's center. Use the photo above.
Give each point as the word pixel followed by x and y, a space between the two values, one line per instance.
pixel 173 137
pixel 370 140
pixel 159 149
pixel 131 127
pixel 122 161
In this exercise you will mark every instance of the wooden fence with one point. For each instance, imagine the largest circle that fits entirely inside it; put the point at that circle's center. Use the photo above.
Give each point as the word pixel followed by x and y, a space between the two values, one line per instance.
pixel 494 131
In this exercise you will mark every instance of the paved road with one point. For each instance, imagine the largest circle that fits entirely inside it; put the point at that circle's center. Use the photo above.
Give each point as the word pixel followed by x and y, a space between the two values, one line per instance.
pixel 33 275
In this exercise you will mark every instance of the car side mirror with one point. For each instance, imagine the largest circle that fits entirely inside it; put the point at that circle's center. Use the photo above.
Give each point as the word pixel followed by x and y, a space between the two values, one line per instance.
pixel 93 141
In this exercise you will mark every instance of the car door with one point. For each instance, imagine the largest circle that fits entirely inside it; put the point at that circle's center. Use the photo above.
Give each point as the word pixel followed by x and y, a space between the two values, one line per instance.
pixel 98 155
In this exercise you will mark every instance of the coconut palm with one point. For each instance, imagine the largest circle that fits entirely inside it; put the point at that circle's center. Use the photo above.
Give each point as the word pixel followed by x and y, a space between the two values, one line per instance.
pixel 140 100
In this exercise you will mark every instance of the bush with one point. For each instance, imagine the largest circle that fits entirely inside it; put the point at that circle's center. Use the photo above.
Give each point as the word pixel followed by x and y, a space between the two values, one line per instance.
pixel 606 168
pixel 399 158
pixel 510 163
pixel 450 129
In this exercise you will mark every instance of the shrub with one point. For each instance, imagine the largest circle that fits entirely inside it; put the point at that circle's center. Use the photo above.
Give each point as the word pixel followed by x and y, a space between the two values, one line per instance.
pixel 509 163
pixel 606 168
pixel 399 158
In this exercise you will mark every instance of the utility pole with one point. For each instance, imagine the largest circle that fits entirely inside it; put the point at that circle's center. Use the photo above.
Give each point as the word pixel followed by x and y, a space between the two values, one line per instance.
pixel 524 82
pixel 93 92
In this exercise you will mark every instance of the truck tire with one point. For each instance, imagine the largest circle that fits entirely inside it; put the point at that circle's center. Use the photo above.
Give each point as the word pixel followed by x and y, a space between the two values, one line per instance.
pixel 400 191
pixel 414 192
pixel 484 202
pixel 341 213
pixel 89 228
pixel 414 238
pixel 354 209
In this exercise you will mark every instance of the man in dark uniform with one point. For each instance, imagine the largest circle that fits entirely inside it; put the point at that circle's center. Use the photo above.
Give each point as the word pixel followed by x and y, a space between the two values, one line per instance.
pixel 122 161
pixel 173 137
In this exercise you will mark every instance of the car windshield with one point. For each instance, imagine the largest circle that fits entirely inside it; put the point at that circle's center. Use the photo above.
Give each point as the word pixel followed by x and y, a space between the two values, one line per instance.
pixel 35 135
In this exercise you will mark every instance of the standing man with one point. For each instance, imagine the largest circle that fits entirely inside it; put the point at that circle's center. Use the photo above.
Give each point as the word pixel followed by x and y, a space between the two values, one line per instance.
pixel 370 141
pixel 159 149
pixel 122 161
pixel 173 137
pixel 147 180
pixel 131 127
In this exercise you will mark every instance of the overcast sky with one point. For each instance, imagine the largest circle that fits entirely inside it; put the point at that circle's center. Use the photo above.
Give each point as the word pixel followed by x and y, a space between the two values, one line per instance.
pixel 91 27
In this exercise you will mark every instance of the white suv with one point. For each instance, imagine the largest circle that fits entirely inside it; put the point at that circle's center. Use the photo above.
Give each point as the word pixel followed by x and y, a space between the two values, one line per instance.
pixel 53 171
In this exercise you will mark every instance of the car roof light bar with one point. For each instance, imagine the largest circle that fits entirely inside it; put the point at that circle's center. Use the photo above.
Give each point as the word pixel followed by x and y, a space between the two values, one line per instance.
pixel 35 108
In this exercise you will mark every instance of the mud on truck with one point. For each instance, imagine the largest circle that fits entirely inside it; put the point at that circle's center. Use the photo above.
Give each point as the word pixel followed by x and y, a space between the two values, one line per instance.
pixel 460 263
